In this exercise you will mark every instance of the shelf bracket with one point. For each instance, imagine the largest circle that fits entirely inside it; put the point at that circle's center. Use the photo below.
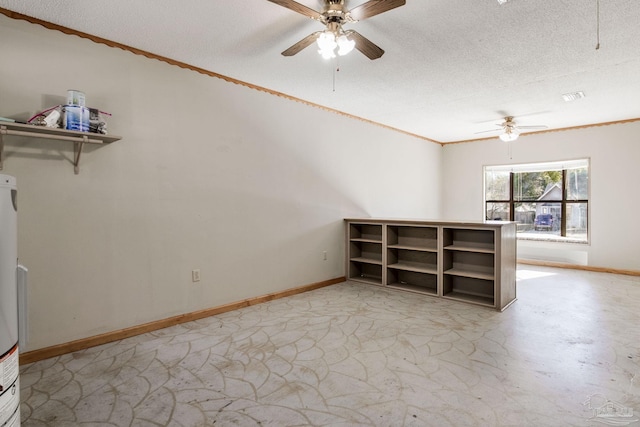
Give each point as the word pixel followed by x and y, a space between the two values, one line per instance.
pixel 77 151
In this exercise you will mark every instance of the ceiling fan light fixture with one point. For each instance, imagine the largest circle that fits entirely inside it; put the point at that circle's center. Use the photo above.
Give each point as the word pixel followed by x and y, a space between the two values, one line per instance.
pixel 345 45
pixel 510 134
pixel 327 44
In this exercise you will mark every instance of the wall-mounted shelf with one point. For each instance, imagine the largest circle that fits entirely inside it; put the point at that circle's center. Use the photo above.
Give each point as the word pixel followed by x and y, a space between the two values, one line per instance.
pixel 31 131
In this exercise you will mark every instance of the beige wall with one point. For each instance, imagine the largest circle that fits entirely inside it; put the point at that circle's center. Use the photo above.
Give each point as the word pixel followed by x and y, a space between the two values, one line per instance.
pixel 248 187
pixel 614 152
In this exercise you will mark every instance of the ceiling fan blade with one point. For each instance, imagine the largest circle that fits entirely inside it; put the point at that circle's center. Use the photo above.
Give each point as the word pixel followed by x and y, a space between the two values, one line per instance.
pixel 300 8
pixel 533 127
pixel 487 131
pixel 305 42
pixel 374 7
pixel 364 45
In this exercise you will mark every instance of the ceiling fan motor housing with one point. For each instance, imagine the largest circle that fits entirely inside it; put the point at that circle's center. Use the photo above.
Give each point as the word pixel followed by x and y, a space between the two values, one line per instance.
pixel 335 13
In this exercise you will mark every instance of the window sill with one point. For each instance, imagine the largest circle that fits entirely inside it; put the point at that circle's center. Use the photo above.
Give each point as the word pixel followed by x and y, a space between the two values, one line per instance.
pixel 551 238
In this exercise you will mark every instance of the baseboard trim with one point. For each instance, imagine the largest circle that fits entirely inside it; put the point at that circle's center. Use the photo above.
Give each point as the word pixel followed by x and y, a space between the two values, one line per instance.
pixel 84 343
pixel 579 267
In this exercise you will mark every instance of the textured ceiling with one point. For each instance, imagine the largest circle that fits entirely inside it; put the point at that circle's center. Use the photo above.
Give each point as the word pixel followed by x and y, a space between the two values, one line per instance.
pixel 452 68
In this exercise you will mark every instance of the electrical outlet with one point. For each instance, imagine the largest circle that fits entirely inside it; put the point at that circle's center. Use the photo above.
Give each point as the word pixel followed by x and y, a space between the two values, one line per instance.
pixel 195 275
pixel 324 255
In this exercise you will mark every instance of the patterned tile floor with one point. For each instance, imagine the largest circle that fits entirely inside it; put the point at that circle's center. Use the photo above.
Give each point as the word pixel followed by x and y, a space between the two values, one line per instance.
pixel 358 355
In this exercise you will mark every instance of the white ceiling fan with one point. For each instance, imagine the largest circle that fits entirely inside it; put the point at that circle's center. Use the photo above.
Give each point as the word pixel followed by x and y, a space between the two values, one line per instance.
pixel 511 131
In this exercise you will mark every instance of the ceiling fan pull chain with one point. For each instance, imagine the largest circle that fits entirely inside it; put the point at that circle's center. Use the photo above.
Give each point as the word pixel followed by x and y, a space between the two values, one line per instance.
pixel 335 72
pixel 598 24
pixel 334 77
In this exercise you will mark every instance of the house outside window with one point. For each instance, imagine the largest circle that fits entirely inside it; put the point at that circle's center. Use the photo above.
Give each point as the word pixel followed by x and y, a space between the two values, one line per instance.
pixel 549 201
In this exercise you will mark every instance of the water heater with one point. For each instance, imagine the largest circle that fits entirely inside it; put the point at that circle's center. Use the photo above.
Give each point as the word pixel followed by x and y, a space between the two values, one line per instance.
pixel 9 368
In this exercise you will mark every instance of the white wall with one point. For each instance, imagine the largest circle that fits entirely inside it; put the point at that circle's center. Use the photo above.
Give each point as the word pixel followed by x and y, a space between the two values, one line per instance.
pixel 248 187
pixel 614 204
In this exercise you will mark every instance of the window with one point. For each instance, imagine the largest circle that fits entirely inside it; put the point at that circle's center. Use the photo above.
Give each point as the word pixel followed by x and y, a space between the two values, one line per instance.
pixel 549 201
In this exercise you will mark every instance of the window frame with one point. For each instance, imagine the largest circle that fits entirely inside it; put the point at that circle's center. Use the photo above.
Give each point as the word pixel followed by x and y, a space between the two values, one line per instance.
pixel 564 202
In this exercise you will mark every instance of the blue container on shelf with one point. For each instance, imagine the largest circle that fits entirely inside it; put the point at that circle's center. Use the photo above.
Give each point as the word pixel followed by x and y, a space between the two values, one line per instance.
pixel 75 117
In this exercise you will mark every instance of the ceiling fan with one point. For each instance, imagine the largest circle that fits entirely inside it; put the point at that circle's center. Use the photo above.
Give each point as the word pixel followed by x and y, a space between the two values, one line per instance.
pixel 511 131
pixel 334 39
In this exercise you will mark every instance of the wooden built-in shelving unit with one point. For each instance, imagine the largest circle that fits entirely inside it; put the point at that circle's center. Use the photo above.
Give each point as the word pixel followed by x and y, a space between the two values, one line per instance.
pixel 466 261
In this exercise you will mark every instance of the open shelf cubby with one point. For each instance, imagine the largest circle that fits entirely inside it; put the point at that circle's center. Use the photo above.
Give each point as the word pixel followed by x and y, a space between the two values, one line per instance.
pixel 412 237
pixel 410 260
pixel 478 265
pixel 365 272
pixel 412 281
pixel 470 240
pixel 365 232
pixel 468 289
pixel 366 252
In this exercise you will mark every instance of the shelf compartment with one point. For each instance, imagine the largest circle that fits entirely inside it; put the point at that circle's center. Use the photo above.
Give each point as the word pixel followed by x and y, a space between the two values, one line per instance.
pixel 365 233
pixel 365 272
pixel 412 281
pixel 410 260
pixel 478 291
pixel 475 265
pixel 468 240
pixel 366 252
pixel 412 237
